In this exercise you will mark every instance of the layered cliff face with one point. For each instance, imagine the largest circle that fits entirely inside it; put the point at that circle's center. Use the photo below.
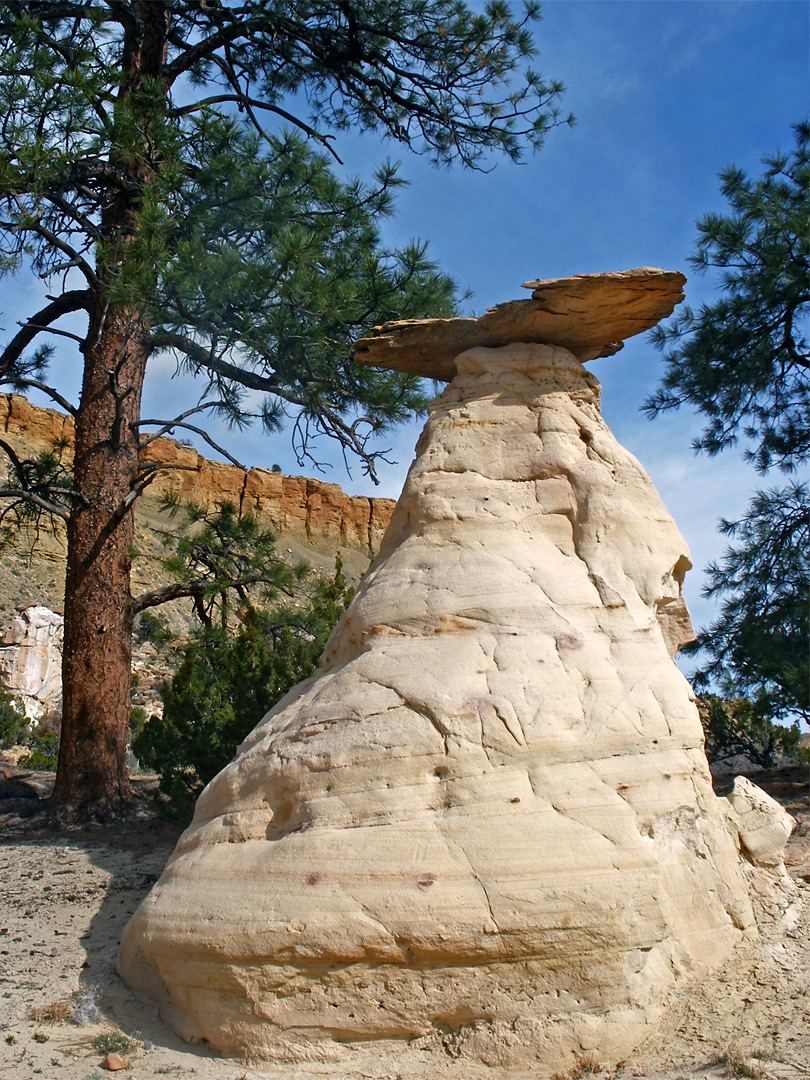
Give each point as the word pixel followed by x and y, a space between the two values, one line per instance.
pixel 488 817
pixel 312 519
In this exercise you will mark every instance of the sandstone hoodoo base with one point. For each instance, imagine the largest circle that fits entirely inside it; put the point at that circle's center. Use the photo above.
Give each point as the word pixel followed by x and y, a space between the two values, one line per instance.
pixel 487 822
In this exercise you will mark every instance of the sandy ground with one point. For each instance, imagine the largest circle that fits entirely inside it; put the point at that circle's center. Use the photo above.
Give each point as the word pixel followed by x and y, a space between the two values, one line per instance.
pixel 65 898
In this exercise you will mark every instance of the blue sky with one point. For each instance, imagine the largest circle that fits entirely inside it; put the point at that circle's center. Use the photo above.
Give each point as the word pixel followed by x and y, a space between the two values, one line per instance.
pixel 666 93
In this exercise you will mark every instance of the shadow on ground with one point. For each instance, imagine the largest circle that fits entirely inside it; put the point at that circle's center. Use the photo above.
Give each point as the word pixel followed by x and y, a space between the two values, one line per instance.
pixel 107 870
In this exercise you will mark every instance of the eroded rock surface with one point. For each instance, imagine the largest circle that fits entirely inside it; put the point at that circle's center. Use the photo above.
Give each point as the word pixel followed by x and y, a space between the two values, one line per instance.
pixel 488 818
pixel 764 826
pixel 296 506
pixel 31 658
pixel 590 315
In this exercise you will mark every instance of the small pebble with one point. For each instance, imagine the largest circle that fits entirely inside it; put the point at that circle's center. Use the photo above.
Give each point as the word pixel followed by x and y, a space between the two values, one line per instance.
pixel 114 1062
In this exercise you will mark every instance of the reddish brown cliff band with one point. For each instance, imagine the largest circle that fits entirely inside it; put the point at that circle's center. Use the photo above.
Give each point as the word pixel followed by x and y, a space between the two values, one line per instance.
pixel 320 513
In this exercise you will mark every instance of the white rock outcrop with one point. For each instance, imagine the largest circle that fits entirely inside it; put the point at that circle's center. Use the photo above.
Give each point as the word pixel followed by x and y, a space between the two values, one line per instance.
pixel 488 817
pixel 31 658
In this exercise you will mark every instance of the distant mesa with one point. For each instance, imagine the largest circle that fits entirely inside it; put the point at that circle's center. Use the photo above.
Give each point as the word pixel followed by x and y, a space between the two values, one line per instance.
pixel 590 315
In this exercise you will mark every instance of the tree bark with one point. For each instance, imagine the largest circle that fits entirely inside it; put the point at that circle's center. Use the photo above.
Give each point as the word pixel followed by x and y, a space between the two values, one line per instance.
pixel 92 780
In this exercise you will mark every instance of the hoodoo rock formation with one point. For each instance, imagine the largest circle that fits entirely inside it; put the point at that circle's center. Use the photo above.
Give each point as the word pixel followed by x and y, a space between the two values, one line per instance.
pixel 488 817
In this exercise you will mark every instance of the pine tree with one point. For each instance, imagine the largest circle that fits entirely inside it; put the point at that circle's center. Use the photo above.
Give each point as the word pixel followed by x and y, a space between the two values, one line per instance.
pixel 210 706
pixel 146 178
pixel 223 560
pixel 744 362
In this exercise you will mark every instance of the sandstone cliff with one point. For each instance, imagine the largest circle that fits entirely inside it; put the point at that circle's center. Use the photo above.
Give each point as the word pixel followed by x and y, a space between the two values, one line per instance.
pixel 313 519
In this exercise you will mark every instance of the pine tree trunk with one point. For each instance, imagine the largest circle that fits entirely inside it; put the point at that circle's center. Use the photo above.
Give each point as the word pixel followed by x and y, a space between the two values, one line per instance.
pixel 92 779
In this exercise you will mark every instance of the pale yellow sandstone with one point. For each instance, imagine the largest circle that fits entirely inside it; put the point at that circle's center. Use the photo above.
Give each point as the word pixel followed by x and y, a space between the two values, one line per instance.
pixel 488 818
pixel 764 826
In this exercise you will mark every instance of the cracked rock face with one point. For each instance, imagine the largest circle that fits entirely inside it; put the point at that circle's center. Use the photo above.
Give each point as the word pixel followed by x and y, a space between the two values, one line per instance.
pixel 31 657
pixel 488 817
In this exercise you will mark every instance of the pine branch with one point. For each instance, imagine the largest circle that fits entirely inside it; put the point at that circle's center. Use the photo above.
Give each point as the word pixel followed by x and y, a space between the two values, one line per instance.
pixel 73 300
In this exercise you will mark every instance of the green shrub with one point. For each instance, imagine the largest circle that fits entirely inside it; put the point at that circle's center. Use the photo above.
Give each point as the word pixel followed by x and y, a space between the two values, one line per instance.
pixel 150 626
pixel 736 726
pixel 43 745
pixel 41 740
pixel 224 684
pixel 112 1042
pixel 137 718
pixel 14 725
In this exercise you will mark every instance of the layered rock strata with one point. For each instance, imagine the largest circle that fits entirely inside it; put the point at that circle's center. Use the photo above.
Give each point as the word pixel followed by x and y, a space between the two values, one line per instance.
pixel 488 818
pixel 319 514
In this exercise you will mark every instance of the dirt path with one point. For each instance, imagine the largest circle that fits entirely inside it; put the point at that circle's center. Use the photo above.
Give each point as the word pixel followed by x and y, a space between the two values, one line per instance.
pixel 65 898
